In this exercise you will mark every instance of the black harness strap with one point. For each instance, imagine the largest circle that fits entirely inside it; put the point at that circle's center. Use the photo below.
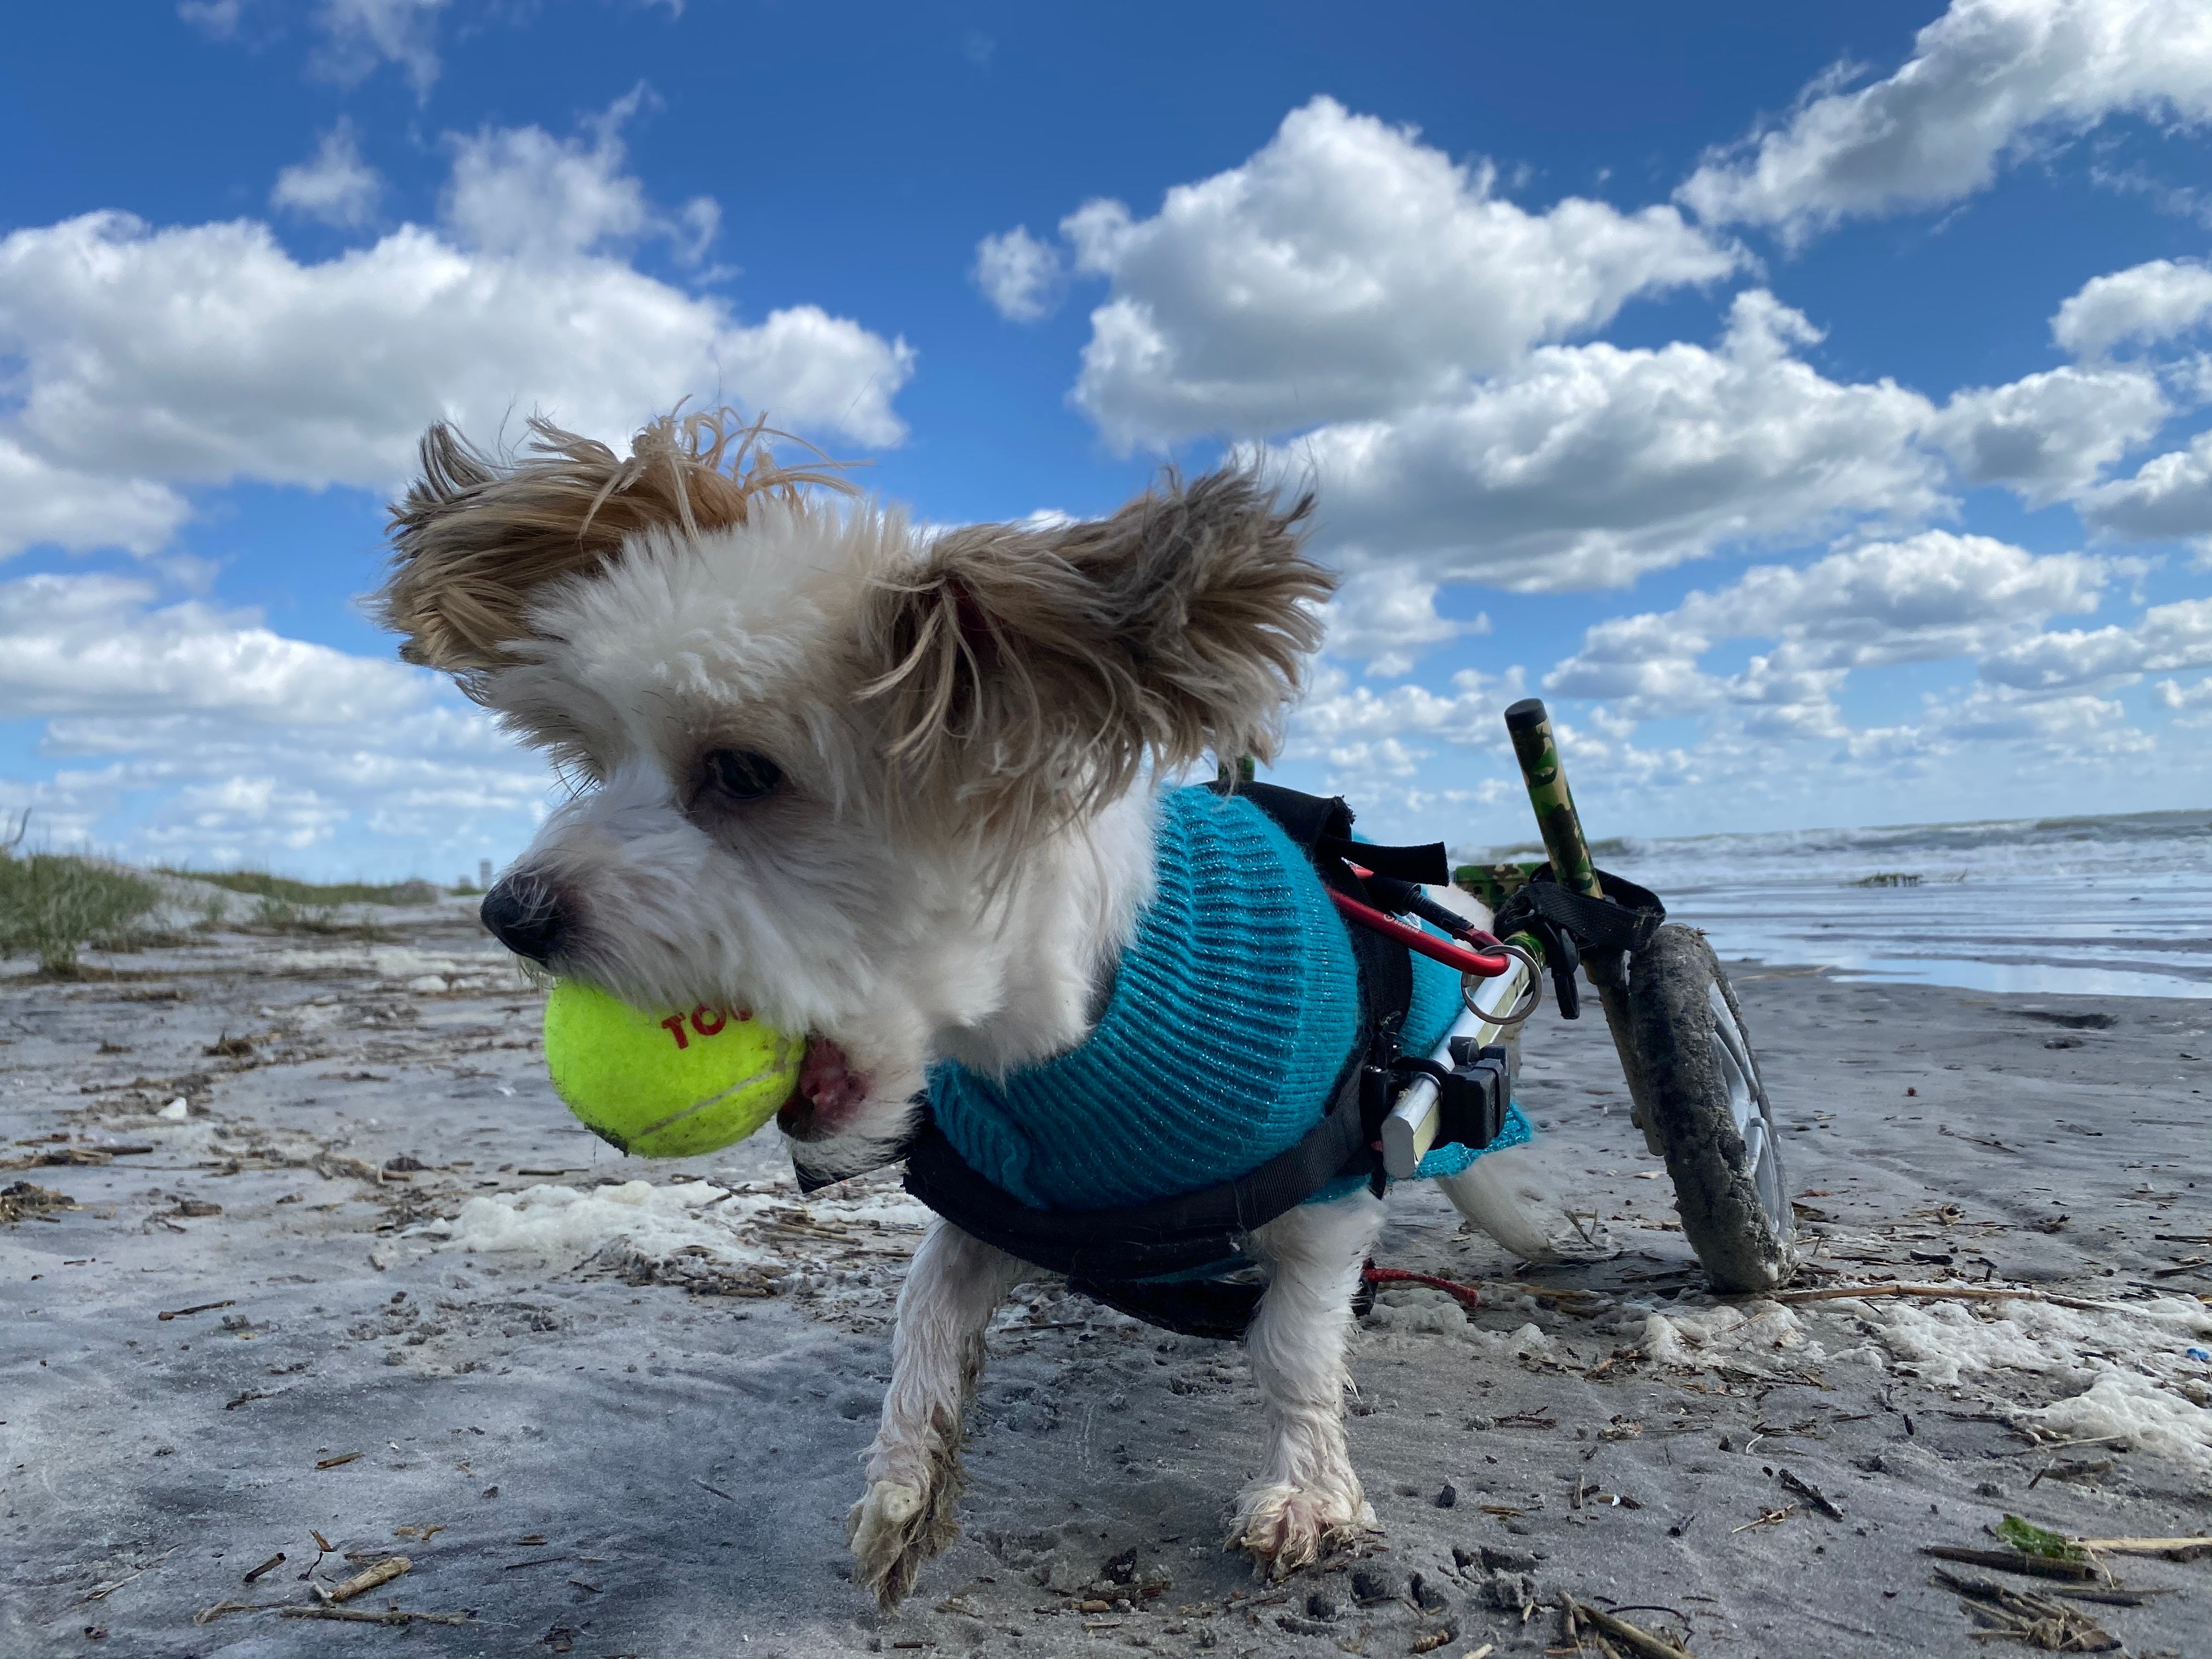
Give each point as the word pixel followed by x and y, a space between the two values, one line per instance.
pixel 1569 923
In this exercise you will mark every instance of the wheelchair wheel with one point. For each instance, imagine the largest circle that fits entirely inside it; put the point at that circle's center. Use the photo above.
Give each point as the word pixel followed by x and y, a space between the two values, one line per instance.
pixel 1712 1113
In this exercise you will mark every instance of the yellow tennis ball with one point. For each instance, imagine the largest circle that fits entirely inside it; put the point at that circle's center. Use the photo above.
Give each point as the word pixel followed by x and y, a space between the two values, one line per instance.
pixel 663 1083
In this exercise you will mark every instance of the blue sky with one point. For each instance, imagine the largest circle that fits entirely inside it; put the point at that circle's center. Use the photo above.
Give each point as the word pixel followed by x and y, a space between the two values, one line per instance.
pixel 1810 402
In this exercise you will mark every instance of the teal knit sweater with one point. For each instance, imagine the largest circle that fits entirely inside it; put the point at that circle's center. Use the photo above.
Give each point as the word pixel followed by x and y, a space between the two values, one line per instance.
pixel 1234 1009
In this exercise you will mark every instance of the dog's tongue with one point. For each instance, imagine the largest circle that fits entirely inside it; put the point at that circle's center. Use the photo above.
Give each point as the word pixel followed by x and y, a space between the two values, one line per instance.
pixel 829 1091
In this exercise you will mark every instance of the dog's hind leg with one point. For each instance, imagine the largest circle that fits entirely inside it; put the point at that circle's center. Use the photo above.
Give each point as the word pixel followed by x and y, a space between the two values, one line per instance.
pixel 909 1513
pixel 1306 1496
pixel 1502 1193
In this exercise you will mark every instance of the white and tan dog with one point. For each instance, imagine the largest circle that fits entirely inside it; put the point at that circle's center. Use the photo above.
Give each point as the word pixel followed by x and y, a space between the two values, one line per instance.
pixel 895 792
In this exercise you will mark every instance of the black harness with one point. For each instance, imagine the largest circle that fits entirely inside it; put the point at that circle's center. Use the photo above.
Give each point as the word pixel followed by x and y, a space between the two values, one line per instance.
pixel 1182 1263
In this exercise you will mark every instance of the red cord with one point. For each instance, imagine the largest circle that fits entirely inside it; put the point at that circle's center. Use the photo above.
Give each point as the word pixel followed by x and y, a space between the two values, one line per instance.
pixel 1437 950
pixel 1467 1295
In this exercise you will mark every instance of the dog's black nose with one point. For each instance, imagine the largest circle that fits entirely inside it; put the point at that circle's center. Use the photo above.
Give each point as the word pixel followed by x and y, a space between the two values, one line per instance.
pixel 524 913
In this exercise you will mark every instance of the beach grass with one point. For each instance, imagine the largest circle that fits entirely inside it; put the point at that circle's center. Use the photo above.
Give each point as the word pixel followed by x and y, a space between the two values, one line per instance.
pixel 51 905
pixel 284 890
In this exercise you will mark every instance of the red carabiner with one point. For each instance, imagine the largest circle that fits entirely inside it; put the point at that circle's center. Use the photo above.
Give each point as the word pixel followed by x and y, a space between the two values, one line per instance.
pixel 1437 950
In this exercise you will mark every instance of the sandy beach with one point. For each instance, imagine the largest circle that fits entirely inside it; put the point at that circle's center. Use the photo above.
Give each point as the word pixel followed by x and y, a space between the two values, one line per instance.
pixel 368 1292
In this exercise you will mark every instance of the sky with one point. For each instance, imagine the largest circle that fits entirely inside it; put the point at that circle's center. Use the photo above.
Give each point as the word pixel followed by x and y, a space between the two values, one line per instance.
pixel 1809 403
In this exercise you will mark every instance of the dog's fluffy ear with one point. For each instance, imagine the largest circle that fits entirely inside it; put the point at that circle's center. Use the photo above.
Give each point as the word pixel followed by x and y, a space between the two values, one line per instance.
pixel 479 535
pixel 1029 673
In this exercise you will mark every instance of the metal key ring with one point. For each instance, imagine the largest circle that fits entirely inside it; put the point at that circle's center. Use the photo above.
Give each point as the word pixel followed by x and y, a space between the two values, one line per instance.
pixel 1532 992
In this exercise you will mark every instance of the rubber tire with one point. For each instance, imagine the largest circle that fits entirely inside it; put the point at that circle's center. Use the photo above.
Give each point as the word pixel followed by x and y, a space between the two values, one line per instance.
pixel 1747 1241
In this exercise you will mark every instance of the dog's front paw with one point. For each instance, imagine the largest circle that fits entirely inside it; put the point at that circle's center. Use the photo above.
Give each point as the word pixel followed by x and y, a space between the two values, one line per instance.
pixel 892 1531
pixel 1284 1527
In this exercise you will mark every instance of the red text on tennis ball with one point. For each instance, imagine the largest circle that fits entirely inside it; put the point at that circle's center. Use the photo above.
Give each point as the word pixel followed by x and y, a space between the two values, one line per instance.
pixel 664 1083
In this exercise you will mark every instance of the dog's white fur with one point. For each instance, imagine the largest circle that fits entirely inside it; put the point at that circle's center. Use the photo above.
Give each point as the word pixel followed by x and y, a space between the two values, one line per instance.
pixel 971 902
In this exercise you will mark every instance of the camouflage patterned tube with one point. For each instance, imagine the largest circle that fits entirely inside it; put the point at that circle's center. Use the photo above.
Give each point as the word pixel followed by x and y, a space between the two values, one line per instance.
pixel 1529 724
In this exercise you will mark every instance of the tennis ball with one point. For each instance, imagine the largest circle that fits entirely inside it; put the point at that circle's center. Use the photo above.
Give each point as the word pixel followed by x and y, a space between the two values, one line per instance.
pixel 661 1084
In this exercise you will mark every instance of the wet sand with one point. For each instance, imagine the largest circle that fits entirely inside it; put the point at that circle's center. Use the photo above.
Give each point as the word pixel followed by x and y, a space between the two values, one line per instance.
pixel 613 1420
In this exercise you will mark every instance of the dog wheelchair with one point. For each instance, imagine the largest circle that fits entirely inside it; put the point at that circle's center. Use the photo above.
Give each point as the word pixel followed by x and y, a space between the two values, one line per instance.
pixel 1685 1051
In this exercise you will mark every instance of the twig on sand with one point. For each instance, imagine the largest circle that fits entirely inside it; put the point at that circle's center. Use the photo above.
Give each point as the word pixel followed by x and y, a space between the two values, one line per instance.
pixel 1811 1493
pixel 1942 1293
pixel 271 1564
pixel 1767 1518
pixel 1632 1637
pixel 370 1616
pixel 370 1577
pixel 106 1590
pixel 2023 1616
pixel 209 1615
pixel 2173 1549
pixel 2020 1561
pixel 204 1307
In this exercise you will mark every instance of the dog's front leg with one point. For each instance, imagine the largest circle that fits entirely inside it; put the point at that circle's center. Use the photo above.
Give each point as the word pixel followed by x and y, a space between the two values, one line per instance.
pixel 1306 1496
pixel 908 1515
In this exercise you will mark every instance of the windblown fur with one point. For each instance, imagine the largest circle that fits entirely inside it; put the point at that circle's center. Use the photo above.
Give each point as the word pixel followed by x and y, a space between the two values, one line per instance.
pixel 1035 670
pixel 478 536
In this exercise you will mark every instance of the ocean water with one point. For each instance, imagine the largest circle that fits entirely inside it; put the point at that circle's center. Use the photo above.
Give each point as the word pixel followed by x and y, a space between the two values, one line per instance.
pixel 2117 906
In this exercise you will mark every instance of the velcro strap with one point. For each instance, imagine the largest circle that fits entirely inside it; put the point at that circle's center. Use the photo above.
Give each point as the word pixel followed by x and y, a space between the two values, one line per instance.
pixel 1624 920
pixel 1426 863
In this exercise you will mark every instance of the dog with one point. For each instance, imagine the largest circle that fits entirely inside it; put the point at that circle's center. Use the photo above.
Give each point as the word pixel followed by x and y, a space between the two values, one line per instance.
pixel 899 793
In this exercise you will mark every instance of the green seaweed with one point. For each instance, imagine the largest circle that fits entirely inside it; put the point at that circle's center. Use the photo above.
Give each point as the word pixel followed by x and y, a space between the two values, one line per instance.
pixel 2031 1539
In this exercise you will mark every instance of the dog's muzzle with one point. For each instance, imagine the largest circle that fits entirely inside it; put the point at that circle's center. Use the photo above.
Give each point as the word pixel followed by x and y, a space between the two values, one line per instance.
pixel 523 913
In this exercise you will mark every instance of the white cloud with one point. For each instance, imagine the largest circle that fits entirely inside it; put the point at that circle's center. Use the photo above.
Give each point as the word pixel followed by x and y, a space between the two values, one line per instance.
pixel 40 502
pixel 213 738
pixel 2186 702
pixel 1986 81
pixel 1388 619
pixel 2168 498
pixel 520 190
pixel 95 644
pixel 2169 637
pixel 336 186
pixel 207 353
pixel 2144 303
pixel 1019 275
pixel 2049 435
pixel 1583 466
pixel 360 36
pixel 1931 598
pixel 1345 270
pixel 217 19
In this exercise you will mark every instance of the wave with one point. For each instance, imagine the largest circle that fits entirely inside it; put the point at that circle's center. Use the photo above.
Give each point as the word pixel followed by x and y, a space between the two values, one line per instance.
pixel 2075 846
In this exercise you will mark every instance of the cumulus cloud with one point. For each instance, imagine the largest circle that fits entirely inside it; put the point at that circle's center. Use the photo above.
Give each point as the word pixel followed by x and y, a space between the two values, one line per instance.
pixel 360 36
pixel 1389 620
pixel 521 191
pixel 43 503
pixel 2049 435
pixel 220 739
pixel 1930 597
pixel 2168 498
pixel 206 352
pixel 96 644
pixel 334 185
pixel 1986 81
pixel 1343 271
pixel 1583 466
pixel 2157 300
pixel 1019 275
pixel 2169 637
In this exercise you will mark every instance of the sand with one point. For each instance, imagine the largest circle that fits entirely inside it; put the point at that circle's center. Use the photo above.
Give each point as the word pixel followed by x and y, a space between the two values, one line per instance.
pixel 611 1407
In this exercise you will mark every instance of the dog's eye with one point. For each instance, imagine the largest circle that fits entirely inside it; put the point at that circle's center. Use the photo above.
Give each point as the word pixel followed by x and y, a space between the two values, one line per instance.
pixel 742 775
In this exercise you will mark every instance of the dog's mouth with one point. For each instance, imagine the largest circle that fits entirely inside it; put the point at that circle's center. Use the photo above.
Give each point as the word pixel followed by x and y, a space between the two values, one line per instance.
pixel 828 1096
